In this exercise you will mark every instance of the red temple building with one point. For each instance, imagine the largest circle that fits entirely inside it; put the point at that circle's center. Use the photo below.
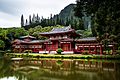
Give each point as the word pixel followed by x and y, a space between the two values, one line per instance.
pixel 60 37
pixel 27 43
pixel 64 38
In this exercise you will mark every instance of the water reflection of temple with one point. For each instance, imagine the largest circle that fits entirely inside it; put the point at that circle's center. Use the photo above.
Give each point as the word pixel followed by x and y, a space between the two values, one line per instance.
pixel 74 68
pixel 71 64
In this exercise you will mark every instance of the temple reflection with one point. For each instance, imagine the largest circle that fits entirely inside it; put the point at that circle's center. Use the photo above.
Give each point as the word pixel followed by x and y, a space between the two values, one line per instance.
pixel 67 69
pixel 93 69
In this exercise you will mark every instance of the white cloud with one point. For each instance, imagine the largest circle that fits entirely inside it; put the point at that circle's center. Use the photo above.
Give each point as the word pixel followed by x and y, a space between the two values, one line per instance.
pixel 11 10
pixel 7 20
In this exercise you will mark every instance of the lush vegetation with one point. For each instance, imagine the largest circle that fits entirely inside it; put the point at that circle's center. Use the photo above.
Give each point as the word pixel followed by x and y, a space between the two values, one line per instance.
pixel 39 56
pixel 105 22
pixel 105 16
pixel 36 30
pixel 7 35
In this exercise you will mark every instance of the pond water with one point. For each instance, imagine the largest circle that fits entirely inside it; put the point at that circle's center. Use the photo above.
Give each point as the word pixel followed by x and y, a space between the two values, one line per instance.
pixel 51 69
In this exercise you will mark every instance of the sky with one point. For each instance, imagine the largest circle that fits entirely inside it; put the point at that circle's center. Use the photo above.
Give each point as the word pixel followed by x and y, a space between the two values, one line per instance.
pixel 9 78
pixel 11 10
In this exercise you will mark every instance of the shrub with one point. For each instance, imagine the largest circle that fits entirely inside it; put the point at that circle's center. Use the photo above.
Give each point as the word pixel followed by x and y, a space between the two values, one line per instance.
pixel 118 52
pixel 59 50
pixel 119 48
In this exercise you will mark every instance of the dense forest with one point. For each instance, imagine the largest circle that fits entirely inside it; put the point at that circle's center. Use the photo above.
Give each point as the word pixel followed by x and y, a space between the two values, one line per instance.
pixel 105 16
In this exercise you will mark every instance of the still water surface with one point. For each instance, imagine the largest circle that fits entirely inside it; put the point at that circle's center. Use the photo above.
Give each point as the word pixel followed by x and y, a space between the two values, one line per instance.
pixel 47 69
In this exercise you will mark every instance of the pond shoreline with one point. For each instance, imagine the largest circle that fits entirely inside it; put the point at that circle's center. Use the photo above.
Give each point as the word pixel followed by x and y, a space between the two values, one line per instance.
pixel 65 56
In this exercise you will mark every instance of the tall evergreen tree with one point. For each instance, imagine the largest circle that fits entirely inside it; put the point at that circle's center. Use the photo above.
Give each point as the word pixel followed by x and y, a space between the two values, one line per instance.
pixel 26 23
pixel 37 19
pixel 33 18
pixel 30 20
pixel 51 20
pixel 22 20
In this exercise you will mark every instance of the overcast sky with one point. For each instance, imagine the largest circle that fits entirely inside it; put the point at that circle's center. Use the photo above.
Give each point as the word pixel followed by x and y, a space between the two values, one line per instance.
pixel 11 10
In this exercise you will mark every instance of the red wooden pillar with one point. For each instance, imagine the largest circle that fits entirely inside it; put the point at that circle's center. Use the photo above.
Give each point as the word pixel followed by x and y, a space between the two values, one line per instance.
pixel 83 48
pixel 46 46
pixel 101 50
pixel 89 49
pixel 52 46
pixel 113 49
pixel 70 46
pixel 57 45
pixel 34 48
pixel 95 49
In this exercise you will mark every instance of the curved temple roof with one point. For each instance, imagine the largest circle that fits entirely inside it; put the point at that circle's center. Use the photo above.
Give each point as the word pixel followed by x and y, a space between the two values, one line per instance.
pixel 60 31
pixel 87 39
pixel 28 36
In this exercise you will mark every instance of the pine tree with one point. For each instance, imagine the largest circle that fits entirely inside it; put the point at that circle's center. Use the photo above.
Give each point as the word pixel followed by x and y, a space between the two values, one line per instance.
pixel 22 21
pixel 37 19
pixel 30 20
pixel 33 18
pixel 51 20
pixel 26 23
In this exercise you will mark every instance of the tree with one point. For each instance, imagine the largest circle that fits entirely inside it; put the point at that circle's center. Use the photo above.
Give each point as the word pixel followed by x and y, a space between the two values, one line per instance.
pixel 37 19
pixel 33 18
pixel 105 15
pixel 79 8
pixel 17 32
pixel 26 23
pixel 30 19
pixel 2 44
pixel 22 21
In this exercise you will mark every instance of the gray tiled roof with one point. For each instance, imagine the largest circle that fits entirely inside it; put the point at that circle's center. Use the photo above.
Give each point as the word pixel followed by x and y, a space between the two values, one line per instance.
pixel 61 29
pixel 33 41
pixel 58 30
pixel 87 39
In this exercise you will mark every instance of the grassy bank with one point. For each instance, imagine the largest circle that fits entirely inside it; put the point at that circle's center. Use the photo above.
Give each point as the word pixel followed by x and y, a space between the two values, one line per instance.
pixel 55 56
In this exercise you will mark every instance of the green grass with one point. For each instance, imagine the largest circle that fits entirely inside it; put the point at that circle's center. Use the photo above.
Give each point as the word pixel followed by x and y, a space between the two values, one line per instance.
pixel 53 56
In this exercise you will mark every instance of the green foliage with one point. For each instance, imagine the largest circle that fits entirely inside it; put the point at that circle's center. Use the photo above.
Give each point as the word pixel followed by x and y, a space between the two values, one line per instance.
pixel 3 34
pixel 2 44
pixel 104 18
pixel 85 33
pixel 38 29
pixel 59 50
pixel 9 34
pixel 119 48
pixel 17 32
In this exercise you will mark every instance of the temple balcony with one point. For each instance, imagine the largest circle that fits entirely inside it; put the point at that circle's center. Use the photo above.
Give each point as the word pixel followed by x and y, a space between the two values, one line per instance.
pixel 58 37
